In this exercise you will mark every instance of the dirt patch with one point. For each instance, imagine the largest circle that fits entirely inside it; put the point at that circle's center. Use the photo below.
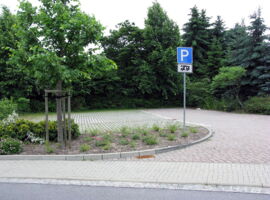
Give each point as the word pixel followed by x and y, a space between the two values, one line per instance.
pixel 120 141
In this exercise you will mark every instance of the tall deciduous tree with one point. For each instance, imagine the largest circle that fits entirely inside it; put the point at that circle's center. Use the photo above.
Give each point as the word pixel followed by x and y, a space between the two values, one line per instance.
pixel 161 40
pixel 126 47
pixel 53 42
pixel 14 82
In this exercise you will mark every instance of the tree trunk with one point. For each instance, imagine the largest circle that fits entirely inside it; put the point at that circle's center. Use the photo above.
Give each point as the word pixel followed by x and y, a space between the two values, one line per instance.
pixel 60 136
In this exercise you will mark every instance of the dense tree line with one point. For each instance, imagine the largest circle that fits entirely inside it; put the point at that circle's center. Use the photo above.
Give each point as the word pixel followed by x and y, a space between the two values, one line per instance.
pixel 39 51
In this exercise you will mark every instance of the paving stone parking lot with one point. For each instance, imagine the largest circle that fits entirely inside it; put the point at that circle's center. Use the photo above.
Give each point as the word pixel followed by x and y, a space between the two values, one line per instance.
pixel 111 120
pixel 238 138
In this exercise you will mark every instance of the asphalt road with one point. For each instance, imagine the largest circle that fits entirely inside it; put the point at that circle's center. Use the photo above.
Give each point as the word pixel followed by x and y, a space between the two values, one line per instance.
pixel 11 191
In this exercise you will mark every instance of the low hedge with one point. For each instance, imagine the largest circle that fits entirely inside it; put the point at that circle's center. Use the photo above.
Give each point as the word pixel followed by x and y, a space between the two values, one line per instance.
pixel 20 128
pixel 9 146
pixel 258 105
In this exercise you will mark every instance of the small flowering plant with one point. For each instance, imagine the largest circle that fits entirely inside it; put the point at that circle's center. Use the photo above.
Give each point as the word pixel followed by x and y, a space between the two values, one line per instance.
pixel 12 118
pixel 33 139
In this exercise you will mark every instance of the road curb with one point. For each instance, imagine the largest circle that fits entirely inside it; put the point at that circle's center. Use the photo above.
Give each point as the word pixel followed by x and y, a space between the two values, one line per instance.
pixel 147 185
pixel 105 156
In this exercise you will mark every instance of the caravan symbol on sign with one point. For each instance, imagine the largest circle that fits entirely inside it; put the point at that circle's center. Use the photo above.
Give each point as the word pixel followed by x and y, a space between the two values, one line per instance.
pixel 184 59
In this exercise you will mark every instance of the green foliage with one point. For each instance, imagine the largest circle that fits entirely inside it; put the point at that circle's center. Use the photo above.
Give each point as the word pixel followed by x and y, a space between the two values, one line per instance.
pixel 173 127
pixel 198 92
pixel 15 82
pixel 60 31
pixel 258 105
pixel 142 130
pixel 155 127
pixel 171 137
pixel 193 129
pixel 228 77
pixel 132 144
pixel 107 147
pixel 105 140
pixel 161 40
pixel 150 140
pixel 124 142
pixel 197 35
pixel 184 134
pixel 85 147
pixel 94 132
pixel 227 83
pixel 163 134
pixel 7 107
pixel 20 128
pixel 87 139
pixel 23 104
pixel 136 136
pixel 125 131
pixel 9 146
pixel 48 148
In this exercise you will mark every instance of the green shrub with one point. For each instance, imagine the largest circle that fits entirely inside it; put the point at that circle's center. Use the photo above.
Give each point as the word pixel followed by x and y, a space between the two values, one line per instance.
pixel 9 146
pixel 171 137
pixel 48 148
pixel 7 107
pixel 193 129
pixel 172 128
pixel 155 127
pixel 150 140
pixel 136 136
pixel 123 142
pixel 125 131
pixel 84 147
pixel 184 134
pixel 107 147
pixel 101 141
pixel 132 144
pixel 163 134
pixel 258 105
pixel 94 132
pixel 87 139
pixel 23 105
pixel 21 127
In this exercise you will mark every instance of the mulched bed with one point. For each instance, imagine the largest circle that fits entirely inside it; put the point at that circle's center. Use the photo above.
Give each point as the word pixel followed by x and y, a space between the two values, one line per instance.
pixel 119 141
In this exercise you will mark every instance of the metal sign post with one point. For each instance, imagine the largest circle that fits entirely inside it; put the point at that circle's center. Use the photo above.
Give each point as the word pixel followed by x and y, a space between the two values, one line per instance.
pixel 184 101
pixel 184 60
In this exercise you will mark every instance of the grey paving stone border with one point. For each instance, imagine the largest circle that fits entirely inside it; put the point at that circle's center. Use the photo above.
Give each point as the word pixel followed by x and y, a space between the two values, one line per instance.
pixel 127 184
pixel 105 156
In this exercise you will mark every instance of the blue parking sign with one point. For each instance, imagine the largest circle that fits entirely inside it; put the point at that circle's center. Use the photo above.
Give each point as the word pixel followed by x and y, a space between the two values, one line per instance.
pixel 184 55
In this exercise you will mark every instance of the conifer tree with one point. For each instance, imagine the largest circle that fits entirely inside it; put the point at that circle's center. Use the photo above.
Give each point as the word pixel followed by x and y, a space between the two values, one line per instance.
pixel 197 35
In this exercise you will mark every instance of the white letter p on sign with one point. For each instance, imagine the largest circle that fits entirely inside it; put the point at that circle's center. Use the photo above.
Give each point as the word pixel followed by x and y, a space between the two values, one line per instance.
pixel 184 53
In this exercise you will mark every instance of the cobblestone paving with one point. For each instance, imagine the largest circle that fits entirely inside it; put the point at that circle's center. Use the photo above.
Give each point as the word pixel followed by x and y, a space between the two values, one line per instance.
pixel 238 138
pixel 111 120
pixel 150 172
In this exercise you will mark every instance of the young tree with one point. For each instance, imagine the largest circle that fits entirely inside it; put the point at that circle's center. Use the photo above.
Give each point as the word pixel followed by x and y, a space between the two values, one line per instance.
pixel 227 83
pixel 161 40
pixel 52 44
